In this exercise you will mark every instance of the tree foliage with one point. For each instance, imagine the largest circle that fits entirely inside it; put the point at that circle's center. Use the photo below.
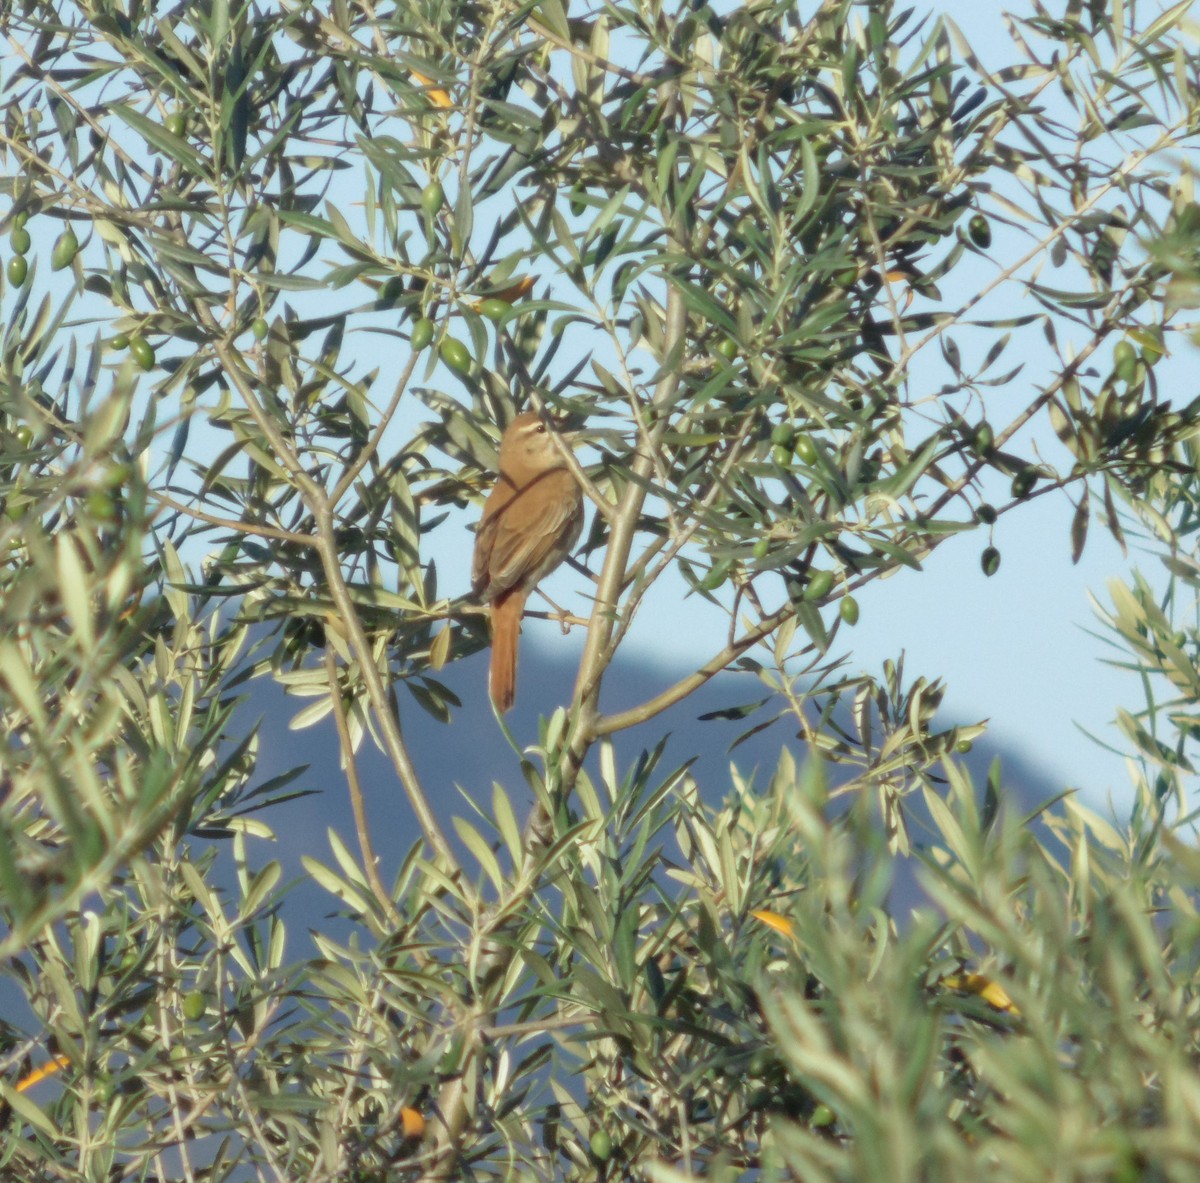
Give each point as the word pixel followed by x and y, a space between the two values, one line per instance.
pixel 816 276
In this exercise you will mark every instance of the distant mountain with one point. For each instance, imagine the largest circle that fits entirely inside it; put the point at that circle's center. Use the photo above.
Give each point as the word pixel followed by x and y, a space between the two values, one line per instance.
pixel 470 753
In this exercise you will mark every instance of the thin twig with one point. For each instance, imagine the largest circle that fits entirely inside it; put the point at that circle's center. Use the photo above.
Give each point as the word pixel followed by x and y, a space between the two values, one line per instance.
pixel 326 546
pixel 354 785
pixel 372 445
pixel 623 527
pixel 608 724
pixel 232 524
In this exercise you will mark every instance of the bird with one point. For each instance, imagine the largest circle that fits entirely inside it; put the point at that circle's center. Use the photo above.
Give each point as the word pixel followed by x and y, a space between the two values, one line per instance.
pixel 531 520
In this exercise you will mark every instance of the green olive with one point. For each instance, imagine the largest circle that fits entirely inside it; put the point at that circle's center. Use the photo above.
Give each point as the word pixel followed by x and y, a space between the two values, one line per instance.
pixel 20 219
pixel 578 200
pixel 65 249
pixel 601 1146
pixel 1023 482
pixel 455 355
pixel 980 231
pixel 1125 361
pixel 990 561
pixel 819 585
pixel 806 450
pixel 142 351
pixel 783 434
pixel 984 439
pixel 117 475
pixel 194 1005
pixel 422 334
pixel 20 240
pixel 18 270
pixel 433 197
pixel 717 576
pixel 727 348
pixel 963 746
pixel 985 514
pixel 1152 344
pixel 848 610
pixel 495 309
pixel 781 456
pixel 101 507
pixel 822 1116
pixel 176 123
pixel 762 548
pixel 120 341
pixel 260 328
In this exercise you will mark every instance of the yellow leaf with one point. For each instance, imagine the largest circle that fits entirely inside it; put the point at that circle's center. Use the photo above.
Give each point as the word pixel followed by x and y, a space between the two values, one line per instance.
pixel 983 987
pixel 436 95
pixel 773 920
pixel 514 292
pixel 901 277
pixel 39 1074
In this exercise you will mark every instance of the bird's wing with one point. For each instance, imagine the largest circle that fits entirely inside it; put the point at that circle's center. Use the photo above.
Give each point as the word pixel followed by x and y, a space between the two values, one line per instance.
pixel 485 537
pixel 526 530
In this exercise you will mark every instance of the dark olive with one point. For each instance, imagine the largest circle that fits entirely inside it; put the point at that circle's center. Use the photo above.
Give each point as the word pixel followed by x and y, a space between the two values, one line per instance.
pixel 391 291
pixel 1023 482
pixel 980 231
pixel 990 561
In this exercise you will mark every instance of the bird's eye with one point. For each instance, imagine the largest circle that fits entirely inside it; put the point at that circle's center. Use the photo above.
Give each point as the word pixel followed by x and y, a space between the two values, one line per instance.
pixel 541 429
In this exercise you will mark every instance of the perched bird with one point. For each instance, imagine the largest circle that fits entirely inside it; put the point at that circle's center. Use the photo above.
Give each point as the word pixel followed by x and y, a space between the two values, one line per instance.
pixel 531 520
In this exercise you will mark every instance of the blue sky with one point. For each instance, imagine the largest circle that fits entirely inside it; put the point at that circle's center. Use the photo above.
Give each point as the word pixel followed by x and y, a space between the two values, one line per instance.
pixel 1014 648
pixel 1017 648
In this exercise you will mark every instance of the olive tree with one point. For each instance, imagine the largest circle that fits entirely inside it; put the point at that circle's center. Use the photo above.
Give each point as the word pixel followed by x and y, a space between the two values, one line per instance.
pixel 819 279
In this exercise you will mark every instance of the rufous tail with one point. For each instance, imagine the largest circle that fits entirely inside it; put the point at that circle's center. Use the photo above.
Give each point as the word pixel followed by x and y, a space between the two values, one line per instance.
pixel 506 628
